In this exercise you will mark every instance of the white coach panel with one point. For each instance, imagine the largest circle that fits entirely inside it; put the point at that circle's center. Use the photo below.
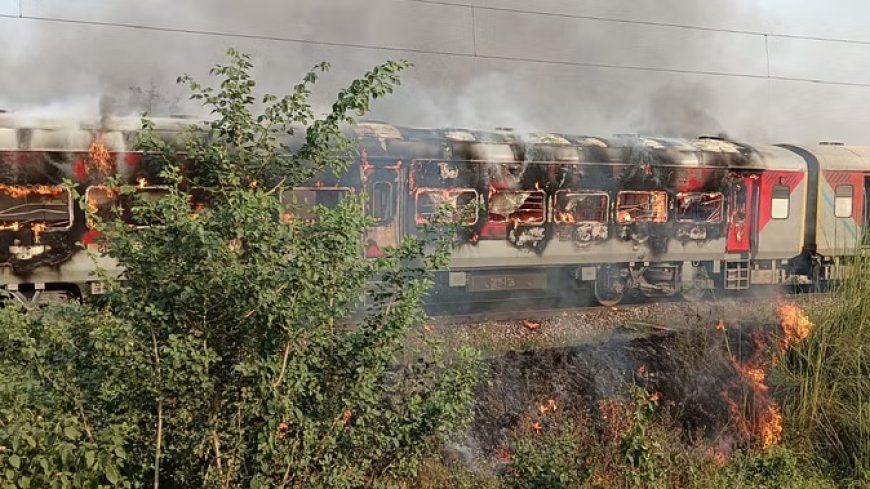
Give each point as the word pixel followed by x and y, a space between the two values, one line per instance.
pixel 560 39
pixel 382 23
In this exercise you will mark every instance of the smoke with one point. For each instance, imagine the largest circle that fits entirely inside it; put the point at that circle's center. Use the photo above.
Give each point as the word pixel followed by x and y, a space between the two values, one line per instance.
pixel 68 66
pixel 678 111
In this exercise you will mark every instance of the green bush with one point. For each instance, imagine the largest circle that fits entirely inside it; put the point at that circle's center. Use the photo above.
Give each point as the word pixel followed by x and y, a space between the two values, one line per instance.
pixel 776 468
pixel 221 360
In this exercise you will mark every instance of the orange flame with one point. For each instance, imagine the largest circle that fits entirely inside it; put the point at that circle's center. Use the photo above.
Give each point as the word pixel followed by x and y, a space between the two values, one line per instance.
pixel 38 229
pixel 764 421
pixel 22 191
pixel 548 407
pixel 99 158
pixel 15 226
pixel 796 326
pixel 345 416
pixel 143 182
pixel 567 217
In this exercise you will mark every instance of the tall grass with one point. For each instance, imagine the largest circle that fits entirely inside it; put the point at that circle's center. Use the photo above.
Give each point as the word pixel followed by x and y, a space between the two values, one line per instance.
pixel 827 402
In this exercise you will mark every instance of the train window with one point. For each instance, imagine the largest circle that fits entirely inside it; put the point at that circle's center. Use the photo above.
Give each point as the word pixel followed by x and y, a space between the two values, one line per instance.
pixel 430 200
pixel 109 203
pixel 43 205
pixel 522 206
pixel 699 207
pixel 303 200
pixel 779 204
pixel 381 202
pixel 636 206
pixel 575 207
pixel 843 201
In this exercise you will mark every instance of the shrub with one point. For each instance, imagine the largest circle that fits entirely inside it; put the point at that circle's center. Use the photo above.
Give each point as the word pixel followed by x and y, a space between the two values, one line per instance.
pixel 222 359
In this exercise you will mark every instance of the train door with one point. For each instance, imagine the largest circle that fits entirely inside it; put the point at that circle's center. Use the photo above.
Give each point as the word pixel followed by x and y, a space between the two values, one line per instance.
pixel 741 217
pixel 383 190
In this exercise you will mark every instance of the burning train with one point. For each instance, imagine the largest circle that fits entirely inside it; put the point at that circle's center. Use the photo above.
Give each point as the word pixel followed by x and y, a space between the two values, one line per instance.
pixel 664 217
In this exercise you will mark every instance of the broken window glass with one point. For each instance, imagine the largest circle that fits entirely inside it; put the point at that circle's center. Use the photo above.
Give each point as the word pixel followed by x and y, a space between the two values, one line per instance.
pixel 577 207
pixel 700 207
pixel 641 206
pixel 779 204
pixel 523 206
pixel 46 205
pixel 303 200
pixel 431 201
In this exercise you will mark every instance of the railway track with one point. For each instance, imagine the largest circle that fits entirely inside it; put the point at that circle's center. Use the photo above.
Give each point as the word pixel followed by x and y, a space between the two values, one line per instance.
pixel 539 310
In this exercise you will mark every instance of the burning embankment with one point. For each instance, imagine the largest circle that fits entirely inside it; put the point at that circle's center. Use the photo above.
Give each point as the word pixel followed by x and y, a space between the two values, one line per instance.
pixel 710 384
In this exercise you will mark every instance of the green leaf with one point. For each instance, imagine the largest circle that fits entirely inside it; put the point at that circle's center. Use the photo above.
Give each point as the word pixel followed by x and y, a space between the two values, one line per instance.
pixel 15 461
pixel 72 433
pixel 112 474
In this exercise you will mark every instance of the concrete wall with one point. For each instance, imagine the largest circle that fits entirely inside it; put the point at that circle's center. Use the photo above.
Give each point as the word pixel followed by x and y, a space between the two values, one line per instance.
pixel 762 70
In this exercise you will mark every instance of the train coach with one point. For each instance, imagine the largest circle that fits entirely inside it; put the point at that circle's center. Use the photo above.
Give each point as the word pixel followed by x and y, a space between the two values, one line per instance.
pixel 555 212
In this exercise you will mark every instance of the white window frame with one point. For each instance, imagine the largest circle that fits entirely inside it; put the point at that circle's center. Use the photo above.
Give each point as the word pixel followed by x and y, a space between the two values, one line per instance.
pixel 619 204
pixel 571 193
pixel 507 219
pixel 844 204
pixel 69 207
pixel 781 201
pixel 682 195
pixel 445 192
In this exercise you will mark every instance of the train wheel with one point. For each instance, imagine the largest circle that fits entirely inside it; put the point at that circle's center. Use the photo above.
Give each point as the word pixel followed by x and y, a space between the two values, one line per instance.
pixel 609 286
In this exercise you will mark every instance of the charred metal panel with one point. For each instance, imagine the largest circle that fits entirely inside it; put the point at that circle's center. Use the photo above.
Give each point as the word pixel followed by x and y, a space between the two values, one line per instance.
pixel 581 217
pixel 741 215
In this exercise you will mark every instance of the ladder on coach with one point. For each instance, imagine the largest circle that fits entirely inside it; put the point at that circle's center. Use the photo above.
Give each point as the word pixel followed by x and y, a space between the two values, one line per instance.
pixel 737 274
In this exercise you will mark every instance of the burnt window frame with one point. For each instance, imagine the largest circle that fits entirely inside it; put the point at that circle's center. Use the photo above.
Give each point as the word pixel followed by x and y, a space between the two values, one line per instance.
pixel 117 200
pixel 507 219
pixel 69 206
pixel 773 198
pixel 555 209
pixel 390 201
pixel 616 207
pixel 457 190
pixel 696 221
pixel 851 198
pixel 286 203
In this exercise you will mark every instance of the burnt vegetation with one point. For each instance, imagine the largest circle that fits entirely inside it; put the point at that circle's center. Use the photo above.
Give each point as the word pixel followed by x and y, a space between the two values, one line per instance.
pixel 222 355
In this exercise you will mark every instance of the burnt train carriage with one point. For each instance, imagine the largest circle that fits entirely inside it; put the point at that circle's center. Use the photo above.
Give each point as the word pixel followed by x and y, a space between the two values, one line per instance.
pixel 661 216
pixel 40 223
